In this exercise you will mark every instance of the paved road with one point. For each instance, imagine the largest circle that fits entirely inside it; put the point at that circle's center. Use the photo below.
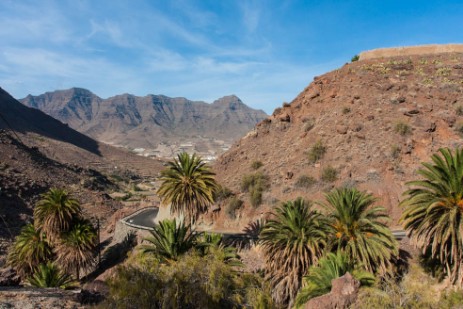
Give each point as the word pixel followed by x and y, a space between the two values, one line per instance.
pixel 146 219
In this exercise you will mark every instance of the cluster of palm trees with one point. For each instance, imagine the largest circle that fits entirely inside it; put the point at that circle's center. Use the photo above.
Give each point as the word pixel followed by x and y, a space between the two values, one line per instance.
pixel 347 234
pixel 294 240
pixel 59 243
pixel 305 248
pixel 171 239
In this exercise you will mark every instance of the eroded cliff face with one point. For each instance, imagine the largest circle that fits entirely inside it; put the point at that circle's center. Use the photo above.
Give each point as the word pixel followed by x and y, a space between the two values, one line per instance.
pixel 378 119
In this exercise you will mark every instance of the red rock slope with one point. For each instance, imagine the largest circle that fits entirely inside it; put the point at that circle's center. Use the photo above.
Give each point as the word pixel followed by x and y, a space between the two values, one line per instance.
pixel 361 113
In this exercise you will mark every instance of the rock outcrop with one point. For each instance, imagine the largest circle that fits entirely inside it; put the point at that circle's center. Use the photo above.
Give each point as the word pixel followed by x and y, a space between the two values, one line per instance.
pixel 343 293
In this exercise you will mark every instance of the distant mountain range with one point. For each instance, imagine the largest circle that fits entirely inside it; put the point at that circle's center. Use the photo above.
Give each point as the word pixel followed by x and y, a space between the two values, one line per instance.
pixel 148 121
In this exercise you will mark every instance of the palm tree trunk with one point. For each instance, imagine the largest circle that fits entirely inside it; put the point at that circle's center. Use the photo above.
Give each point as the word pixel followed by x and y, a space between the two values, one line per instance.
pixel 163 213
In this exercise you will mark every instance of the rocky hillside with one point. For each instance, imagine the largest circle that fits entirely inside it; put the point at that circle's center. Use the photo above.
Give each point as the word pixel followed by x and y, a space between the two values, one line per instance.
pixel 146 122
pixel 38 152
pixel 368 124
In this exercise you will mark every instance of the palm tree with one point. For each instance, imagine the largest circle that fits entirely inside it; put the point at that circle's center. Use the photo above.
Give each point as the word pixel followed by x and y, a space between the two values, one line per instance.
pixel 170 240
pixel 76 249
pixel 188 186
pixel 292 241
pixel 29 250
pixel 331 266
pixel 433 211
pixel 213 242
pixel 358 229
pixel 50 276
pixel 55 212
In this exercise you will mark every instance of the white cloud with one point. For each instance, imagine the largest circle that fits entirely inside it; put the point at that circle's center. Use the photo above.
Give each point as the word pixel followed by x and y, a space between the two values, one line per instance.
pixel 143 50
pixel 32 25
pixel 251 15
pixel 165 60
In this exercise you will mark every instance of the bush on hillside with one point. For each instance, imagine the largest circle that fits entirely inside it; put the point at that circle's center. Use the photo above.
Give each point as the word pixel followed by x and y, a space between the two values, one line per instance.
pixel 317 151
pixel 194 281
pixel 402 128
pixel 256 164
pixel 255 184
pixel 329 174
pixel 233 205
pixel 305 182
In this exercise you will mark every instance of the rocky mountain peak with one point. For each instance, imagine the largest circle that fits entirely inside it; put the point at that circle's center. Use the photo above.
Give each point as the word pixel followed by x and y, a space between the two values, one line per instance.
pixel 149 121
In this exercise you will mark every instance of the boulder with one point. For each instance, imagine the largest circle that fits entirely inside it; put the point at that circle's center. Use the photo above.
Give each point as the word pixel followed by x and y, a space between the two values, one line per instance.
pixel 344 291
pixel 341 129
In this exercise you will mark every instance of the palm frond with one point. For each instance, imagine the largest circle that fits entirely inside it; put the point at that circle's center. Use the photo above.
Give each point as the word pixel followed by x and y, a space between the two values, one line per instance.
pixel 433 210
pixel 188 185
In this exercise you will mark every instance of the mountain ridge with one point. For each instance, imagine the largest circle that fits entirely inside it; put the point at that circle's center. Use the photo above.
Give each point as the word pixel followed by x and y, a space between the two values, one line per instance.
pixel 133 121
pixel 372 122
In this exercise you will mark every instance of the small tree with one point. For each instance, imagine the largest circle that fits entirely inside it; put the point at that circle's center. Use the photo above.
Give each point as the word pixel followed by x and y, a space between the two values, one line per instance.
pixel 188 185
pixel 29 250
pixel 76 248
pixel 332 266
pixel 433 211
pixel 317 151
pixel 50 276
pixel 170 240
pixel 292 241
pixel 359 229
pixel 54 213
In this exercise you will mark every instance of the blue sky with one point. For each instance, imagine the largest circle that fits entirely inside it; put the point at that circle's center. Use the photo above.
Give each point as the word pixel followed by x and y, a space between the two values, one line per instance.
pixel 265 52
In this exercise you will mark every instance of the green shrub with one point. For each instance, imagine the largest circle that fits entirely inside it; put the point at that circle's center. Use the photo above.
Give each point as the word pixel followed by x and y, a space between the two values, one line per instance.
pixel 233 205
pixel 50 276
pixel 317 152
pixel 402 128
pixel 255 197
pixel 257 164
pixel 355 58
pixel 305 181
pixel 255 184
pixel 329 174
pixel 345 110
pixel 415 290
pixel 195 281
pixel 452 299
pixel 446 71
pixel 254 180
